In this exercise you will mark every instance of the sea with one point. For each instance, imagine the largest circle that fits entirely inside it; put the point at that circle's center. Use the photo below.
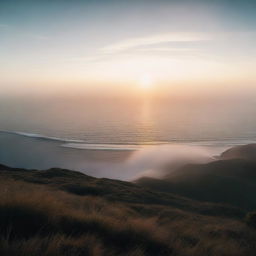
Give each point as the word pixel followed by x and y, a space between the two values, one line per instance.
pixel 117 137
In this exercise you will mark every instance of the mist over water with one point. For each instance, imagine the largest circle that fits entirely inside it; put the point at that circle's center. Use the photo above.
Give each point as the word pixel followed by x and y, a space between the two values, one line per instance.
pixel 148 160
pixel 118 137
pixel 159 160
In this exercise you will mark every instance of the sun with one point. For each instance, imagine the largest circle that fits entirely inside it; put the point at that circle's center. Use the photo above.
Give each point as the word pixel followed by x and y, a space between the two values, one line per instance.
pixel 146 82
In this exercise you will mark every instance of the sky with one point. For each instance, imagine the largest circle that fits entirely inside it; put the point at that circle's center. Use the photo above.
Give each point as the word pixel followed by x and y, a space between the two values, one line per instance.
pixel 131 46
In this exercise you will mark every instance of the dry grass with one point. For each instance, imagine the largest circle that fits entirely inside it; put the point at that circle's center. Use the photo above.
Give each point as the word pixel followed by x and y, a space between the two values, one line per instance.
pixel 28 211
pixel 42 221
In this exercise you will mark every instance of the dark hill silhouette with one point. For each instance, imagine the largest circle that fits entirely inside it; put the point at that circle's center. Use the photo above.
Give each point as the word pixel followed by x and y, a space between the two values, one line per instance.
pixel 114 190
pixel 231 181
pixel 247 152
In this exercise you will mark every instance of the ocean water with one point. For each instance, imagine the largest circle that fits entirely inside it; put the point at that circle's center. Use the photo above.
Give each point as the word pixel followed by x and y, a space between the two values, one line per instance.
pixel 130 121
pixel 97 136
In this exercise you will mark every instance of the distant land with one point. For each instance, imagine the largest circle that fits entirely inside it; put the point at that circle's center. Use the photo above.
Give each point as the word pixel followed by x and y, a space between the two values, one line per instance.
pixel 231 179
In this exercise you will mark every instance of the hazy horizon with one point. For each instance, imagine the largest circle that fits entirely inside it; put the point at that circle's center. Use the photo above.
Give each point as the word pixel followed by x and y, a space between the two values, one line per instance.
pixel 129 71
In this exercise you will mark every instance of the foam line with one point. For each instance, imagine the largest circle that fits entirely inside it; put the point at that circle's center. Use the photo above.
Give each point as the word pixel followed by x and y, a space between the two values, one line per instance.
pixel 41 136
pixel 115 147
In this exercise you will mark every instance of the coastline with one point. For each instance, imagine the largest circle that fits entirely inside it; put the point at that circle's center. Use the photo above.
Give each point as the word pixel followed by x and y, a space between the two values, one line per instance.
pixel 117 161
pixel 31 153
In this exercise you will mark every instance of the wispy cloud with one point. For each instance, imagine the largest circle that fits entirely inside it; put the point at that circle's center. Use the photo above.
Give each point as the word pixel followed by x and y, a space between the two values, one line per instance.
pixel 153 40
pixel 87 59
pixel 168 49
pixel 138 46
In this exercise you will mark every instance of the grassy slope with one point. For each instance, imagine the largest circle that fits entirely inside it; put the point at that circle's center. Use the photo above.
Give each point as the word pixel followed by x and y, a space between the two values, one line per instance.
pixel 60 212
pixel 113 190
pixel 230 181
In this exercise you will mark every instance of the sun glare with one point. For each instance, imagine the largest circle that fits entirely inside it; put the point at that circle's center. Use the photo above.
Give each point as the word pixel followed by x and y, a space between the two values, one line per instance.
pixel 146 82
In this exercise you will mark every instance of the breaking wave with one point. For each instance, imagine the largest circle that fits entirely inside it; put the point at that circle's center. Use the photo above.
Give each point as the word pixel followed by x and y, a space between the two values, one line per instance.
pixel 115 147
pixel 41 136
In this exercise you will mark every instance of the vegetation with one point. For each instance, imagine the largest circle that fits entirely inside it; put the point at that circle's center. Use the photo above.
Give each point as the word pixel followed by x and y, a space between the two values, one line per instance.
pixel 231 181
pixel 60 212
pixel 251 219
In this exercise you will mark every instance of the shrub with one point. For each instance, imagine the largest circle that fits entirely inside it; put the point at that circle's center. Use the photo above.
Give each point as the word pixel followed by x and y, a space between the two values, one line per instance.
pixel 81 190
pixel 250 219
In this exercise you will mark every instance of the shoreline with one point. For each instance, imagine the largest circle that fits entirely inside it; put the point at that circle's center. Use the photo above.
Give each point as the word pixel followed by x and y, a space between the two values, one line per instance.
pixel 114 161
pixel 88 145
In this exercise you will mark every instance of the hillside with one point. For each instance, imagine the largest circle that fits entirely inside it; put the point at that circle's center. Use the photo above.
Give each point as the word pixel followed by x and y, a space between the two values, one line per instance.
pixel 63 212
pixel 247 152
pixel 231 181
pixel 80 184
